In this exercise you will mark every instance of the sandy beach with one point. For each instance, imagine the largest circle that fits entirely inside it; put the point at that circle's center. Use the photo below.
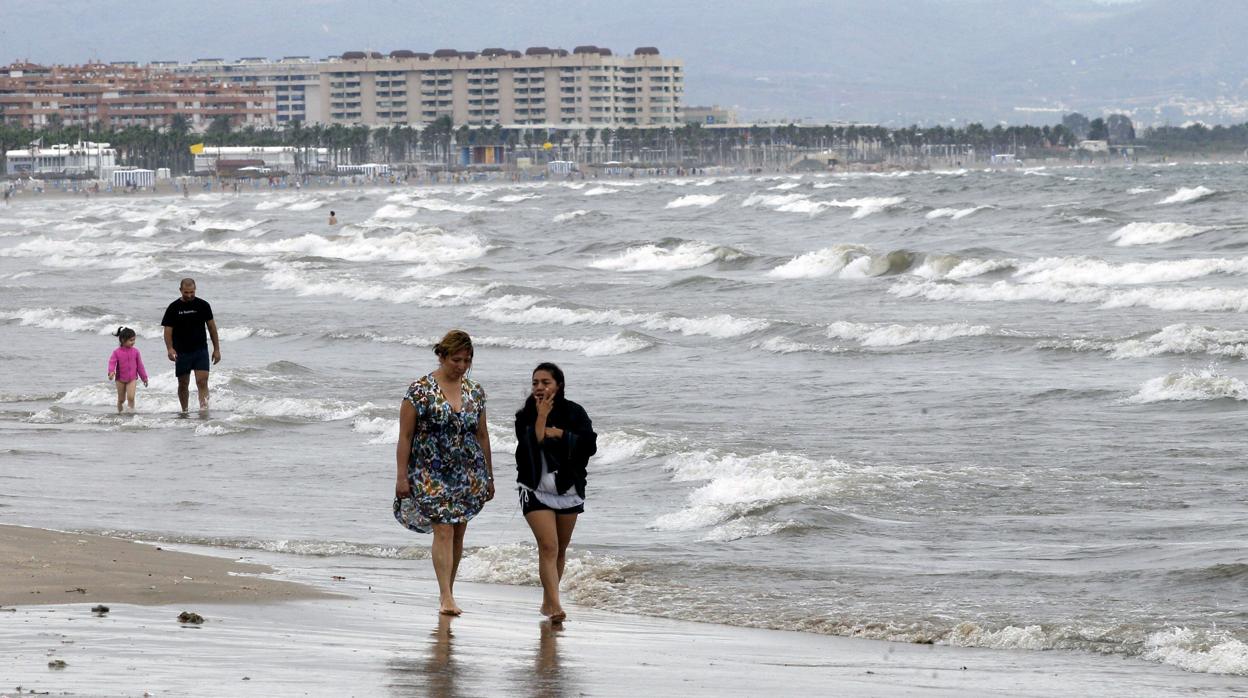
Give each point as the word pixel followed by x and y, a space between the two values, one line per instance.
pixel 49 567
pixel 349 636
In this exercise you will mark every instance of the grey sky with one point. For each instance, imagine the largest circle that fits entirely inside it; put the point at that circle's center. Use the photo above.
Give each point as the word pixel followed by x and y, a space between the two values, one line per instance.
pixel 897 61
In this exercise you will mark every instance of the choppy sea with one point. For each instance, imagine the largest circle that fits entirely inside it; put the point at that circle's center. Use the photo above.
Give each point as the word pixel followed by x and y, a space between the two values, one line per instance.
pixel 1001 409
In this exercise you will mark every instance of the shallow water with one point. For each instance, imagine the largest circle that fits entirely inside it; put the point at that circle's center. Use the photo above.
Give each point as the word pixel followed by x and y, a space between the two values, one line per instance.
pixel 993 409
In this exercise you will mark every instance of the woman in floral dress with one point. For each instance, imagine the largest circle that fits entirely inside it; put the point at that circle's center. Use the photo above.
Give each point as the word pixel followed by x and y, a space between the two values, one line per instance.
pixel 445 474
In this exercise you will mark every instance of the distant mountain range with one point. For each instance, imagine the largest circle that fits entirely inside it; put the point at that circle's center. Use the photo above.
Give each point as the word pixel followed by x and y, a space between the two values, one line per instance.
pixel 894 62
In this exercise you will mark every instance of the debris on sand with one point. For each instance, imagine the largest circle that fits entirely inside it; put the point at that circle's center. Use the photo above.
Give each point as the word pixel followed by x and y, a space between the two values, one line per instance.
pixel 190 617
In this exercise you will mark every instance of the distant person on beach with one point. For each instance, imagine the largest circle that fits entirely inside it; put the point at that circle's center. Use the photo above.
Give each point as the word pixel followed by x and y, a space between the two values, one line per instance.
pixel 554 440
pixel 185 341
pixel 125 367
pixel 445 471
pixel 333 219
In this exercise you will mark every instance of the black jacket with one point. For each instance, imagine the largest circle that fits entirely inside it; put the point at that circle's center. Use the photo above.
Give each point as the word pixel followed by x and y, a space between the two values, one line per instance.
pixel 566 456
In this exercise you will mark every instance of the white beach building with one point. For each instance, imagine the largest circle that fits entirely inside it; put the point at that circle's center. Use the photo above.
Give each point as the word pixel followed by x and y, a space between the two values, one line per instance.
pixel 82 158
pixel 143 179
pixel 285 158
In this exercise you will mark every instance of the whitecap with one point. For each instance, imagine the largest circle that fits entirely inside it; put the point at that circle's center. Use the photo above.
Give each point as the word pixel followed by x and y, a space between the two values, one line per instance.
pixel 686 255
pixel 893 335
pixel 565 217
pixel 1154 233
pixel 1190 385
pixel 517 198
pixel 819 263
pixel 698 200
pixel 953 213
pixel 1211 652
pixel 1094 272
pixel 1184 195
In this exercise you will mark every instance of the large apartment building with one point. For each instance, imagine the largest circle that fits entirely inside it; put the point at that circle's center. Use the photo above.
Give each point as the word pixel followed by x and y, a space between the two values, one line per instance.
pixel 588 86
pixel 117 95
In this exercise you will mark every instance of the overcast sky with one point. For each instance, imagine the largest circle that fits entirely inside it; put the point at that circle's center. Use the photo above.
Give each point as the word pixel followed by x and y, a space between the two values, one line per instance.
pixel 889 61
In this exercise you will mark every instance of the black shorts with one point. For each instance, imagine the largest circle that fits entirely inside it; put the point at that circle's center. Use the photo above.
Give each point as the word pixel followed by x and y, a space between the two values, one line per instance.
pixel 191 361
pixel 530 503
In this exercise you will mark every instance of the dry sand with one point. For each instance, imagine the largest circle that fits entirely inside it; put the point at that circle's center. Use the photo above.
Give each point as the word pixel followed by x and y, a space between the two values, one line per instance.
pixel 39 567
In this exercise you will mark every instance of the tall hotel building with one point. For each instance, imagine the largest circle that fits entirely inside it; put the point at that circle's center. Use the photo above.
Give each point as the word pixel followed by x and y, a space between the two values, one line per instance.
pixel 588 86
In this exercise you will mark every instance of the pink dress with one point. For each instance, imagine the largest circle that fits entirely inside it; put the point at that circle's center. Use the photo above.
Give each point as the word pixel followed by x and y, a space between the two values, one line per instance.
pixel 127 363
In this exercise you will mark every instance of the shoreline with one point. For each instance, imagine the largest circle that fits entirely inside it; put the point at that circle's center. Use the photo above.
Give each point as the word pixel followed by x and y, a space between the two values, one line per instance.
pixel 383 635
pixel 52 567
pixel 172 191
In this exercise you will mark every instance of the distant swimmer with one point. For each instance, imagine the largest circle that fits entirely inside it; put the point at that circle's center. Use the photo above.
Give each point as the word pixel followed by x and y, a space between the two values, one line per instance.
pixel 184 323
pixel 333 219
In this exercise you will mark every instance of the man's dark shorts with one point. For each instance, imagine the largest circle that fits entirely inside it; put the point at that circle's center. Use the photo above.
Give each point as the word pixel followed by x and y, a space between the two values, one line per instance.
pixel 191 361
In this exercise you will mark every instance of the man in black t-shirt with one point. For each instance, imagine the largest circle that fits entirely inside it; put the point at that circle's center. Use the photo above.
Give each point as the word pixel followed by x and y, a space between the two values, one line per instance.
pixel 186 343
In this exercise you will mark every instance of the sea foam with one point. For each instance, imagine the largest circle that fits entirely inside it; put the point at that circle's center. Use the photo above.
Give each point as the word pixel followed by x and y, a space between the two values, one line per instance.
pixel 686 255
pixel 1190 385
pixel 1154 233
pixel 880 335
pixel 698 200
pixel 1184 195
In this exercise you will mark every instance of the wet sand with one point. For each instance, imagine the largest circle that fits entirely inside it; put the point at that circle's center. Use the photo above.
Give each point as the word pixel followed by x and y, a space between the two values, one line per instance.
pixel 48 567
pixel 383 636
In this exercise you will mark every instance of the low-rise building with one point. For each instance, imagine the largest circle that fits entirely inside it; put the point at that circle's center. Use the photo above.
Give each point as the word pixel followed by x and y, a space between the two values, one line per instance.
pixel 80 159
pixel 283 158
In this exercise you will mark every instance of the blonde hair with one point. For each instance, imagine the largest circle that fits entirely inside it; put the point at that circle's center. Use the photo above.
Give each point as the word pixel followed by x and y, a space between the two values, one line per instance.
pixel 454 342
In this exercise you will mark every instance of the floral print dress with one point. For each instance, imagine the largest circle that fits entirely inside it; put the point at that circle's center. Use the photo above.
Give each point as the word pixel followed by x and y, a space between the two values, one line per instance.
pixel 447 469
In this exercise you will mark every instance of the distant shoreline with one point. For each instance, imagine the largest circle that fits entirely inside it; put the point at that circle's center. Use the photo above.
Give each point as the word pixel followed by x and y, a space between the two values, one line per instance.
pixel 171 188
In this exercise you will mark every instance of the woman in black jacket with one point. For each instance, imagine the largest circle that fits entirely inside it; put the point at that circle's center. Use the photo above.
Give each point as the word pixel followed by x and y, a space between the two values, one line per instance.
pixel 555 439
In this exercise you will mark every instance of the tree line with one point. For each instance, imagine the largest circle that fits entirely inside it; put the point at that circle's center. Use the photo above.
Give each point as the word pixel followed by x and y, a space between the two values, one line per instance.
pixel 438 142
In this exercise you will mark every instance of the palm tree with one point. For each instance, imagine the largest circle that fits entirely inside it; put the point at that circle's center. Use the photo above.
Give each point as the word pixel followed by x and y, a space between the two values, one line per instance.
pixel 590 134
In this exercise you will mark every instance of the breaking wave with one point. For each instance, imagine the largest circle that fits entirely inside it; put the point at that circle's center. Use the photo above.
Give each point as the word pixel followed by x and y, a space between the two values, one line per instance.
pixel 880 335
pixel 1189 385
pixel 686 255
pixel 1184 195
pixel 698 200
pixel 1154 233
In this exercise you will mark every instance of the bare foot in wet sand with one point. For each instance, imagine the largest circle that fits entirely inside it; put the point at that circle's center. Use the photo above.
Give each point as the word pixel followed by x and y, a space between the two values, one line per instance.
pixel 450 609
pixel 555 615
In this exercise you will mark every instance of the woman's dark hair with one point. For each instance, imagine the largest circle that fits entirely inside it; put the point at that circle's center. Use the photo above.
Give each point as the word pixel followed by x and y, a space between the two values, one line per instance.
pixel 529 411
pixel 555 372
pixel 123 334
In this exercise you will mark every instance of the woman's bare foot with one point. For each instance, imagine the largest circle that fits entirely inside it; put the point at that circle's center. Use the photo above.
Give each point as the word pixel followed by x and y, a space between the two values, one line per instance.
pixel 449 608
pixel 554 612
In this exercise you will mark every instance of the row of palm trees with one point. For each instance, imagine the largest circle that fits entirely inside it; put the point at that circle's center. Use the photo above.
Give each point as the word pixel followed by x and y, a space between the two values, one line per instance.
pixel 439 141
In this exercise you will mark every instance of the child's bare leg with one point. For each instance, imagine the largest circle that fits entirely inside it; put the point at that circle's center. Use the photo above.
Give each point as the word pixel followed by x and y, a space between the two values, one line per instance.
pixel 121 395
pixel 131 388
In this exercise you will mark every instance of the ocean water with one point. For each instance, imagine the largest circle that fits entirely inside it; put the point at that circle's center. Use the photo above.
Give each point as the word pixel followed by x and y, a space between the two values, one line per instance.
pixel 999 409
